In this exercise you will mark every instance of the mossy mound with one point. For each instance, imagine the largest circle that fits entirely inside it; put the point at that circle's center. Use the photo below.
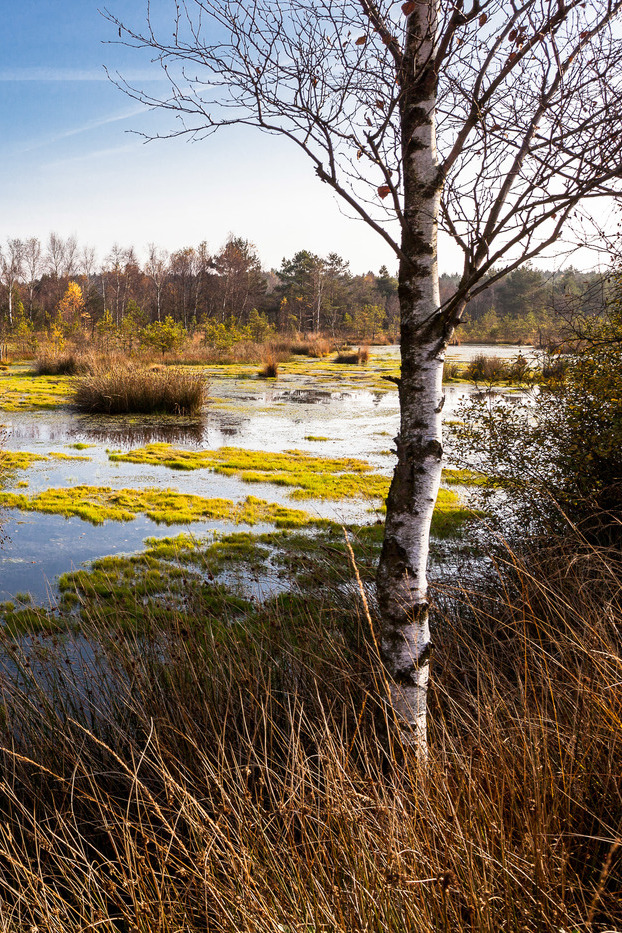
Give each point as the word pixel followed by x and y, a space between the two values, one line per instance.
pixel 97 504
pixel 309 477
pixel 22 391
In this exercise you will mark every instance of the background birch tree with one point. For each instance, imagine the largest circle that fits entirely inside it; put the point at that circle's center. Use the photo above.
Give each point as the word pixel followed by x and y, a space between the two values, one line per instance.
pixel 33 266
pixel 491 118
pixel 11 270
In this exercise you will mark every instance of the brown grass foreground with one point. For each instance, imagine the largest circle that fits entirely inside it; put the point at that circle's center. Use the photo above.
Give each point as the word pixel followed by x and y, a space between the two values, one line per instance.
pixel 237 781
pixel 123 388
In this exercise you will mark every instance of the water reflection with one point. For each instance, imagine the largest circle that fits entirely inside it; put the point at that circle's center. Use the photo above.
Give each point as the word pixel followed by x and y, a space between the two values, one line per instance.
pixel 308 396
pixel 58 428
pixel 327 421
pixel 229 430
pixel 129 432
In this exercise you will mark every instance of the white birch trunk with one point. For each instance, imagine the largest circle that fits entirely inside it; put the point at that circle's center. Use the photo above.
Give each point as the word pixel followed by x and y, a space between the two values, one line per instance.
pixel 402 572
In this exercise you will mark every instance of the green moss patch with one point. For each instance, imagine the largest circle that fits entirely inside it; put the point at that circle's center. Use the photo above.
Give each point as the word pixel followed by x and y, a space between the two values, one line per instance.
pixel 143 593
pixel 97 504
pixel 213 555
pixel 19 617
pixel 62 456
pixel 20 391
pixel 463 477
pixel 13 460
pixel 17 460
pixel 22 459
pixel 310 477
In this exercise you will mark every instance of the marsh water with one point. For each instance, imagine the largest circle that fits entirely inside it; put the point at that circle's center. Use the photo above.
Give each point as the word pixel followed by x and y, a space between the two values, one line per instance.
pixel 324 417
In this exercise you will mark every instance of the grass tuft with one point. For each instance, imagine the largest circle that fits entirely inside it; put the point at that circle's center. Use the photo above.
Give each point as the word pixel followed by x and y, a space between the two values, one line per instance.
pixel 126 389
pixel 62 364
pixel 270 368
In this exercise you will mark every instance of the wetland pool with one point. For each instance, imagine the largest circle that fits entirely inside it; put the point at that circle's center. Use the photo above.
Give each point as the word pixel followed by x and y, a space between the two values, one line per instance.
pixel 309 409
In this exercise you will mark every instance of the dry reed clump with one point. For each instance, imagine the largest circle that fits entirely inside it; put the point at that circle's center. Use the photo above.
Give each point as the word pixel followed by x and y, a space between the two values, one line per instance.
pixel 200 354
pixel 237 782
pixel 270 368
pixel 125 389
pixel 70 363
pixel 316 347
pixel 360 357
pixel 452 370
pixel 493 369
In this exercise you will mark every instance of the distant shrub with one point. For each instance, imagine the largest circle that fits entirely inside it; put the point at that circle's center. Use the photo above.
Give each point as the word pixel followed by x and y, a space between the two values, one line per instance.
pixel 486 369
pixel 141 391
pixel 451 370
pixel 555 367
pixel 165 336
pixel 359 356
pixel 316 347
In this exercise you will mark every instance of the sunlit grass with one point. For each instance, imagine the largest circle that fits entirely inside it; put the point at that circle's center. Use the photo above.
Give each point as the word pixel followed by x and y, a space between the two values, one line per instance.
pixel 224 765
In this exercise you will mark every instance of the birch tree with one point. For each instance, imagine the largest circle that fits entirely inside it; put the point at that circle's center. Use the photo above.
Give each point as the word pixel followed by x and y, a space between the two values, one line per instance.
pixel 157 270
pixel 33 265
pixel 11 270
pixel 493 119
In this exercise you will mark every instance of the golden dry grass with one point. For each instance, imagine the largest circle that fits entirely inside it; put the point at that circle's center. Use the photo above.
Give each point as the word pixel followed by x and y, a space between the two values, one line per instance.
pixel 132 389
pixel 236 777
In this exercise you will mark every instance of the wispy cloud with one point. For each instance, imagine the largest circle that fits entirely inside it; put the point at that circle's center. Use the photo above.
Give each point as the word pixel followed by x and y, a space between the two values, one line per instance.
pixel 94 154
pixel 86 127
pixel 46 74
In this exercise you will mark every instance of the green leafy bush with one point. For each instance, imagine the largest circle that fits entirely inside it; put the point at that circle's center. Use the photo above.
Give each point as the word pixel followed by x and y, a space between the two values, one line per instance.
pixel 556 453
pixel 165 336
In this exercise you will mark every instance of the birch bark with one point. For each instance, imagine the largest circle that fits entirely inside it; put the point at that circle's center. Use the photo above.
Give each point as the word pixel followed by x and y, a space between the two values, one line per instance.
pixel 402 573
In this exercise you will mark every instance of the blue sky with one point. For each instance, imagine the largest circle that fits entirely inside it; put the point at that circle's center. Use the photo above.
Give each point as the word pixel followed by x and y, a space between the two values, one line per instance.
pixel 70 165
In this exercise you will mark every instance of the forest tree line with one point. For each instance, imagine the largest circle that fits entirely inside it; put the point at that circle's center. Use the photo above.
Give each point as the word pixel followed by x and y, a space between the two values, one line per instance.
pixel 307 293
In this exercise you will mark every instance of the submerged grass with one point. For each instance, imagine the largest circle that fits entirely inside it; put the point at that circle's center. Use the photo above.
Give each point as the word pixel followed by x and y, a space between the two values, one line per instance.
pixel 225 767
